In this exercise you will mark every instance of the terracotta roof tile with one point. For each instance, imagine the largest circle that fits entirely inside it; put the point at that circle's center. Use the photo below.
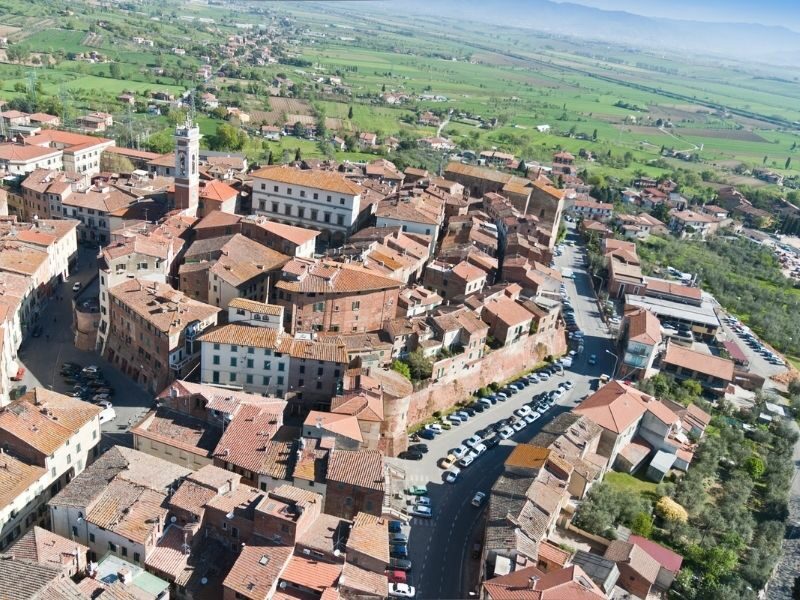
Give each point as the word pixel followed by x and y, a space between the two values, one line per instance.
pixel 664 556
pixel 644 327
pixel 69 412
pixel 322 180
pixel 331 277
pixel 635 556
pixel 360 580
pixel 218 191
pixel 261 308
pixel 362 468
pixel 48 548
pixel 243 259
pixel 528 456
pixel 28 424
pixel 256 570
pixel 295 235
pixel 165 308
pixel 248 443
pixel 615 406
pixel 340 424
pixel 700 362
pixel 368 536
pixel 16 477
pixel 310 573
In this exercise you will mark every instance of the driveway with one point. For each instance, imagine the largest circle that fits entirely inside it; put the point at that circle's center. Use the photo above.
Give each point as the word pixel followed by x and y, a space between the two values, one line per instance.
pixel 440 548
pixel 43 356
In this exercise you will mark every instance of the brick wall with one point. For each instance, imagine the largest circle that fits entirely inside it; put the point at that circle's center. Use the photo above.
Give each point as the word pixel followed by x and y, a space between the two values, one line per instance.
pixel 462 378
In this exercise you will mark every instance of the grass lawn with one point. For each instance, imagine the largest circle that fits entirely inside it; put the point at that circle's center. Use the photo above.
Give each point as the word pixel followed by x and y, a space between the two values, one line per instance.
pixel 631 484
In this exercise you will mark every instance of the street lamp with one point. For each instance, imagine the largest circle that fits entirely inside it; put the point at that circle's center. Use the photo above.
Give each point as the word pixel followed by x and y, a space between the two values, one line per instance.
pixel 616 359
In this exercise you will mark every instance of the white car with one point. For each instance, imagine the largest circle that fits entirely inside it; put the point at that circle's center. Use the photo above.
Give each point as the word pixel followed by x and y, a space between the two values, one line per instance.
pixel 519 425
pixel 460 452
pixel 506 432
pixel 544 376
pixel 401 590
pixel 522 411
pixel 434 427
pixel 422 511
pixel 478 499
pixel 467 460
pixel 451 475
pixel 568 385
pixel 529 419
pixel 479 449
pixel 76 286
pixel 473 441
pixel 422 501
pixel 107 415
pixel 542 409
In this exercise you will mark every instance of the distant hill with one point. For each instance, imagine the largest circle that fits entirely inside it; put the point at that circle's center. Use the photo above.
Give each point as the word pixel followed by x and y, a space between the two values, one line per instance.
pixel 776 45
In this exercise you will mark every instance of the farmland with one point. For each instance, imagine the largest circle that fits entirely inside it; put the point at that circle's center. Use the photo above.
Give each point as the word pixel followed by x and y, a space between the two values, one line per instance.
pixel 607 101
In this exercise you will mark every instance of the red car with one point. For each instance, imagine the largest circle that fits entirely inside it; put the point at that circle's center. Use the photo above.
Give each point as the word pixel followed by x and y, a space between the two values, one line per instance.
pixel 397 576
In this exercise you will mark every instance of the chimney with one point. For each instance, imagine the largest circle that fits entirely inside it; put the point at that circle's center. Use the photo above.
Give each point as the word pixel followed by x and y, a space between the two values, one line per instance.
pixel 532 581
pixel 125 576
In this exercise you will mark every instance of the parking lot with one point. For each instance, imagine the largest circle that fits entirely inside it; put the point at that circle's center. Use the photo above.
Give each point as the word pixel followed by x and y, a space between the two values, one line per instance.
pixel 759 356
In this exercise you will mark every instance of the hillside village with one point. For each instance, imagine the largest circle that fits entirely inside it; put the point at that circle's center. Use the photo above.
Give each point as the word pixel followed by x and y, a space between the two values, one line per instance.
pixel 406 367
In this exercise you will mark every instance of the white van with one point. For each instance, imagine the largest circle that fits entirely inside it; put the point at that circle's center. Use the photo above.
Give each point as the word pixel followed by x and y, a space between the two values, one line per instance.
pixel 107 414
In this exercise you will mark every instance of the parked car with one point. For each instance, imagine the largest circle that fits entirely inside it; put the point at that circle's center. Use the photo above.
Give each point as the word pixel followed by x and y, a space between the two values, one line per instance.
pixel 473 441
pixel 396 576
pixel 76 287
pixel 451 475
pixel 531 418
pixel 410 455
pixel 398 550
pixel 422 511
pixel 395 526
pixel 401 590
pixel 467 460
pixel 478 499
pixel 592 359
pixel 422 501
pixel 417 490
pixel 522 411
pixel 506 432
pixel 436 428
pixel 447 461
pixel 519 425
pixel 460 452
pixel 402 564
pixel 423 448
pixel 398 538
pixel 427 434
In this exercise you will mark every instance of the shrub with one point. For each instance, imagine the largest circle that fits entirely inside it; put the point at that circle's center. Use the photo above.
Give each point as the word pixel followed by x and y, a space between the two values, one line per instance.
pixel 668 509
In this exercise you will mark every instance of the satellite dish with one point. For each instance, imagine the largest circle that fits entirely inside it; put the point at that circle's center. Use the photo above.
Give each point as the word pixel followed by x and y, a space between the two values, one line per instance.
pixel 337 553
pixel 204 581
pixel 282 585
pixel 173 518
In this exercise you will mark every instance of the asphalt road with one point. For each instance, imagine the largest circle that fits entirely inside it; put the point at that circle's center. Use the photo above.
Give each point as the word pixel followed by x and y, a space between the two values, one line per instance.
pixel 440 548
pixel 43 356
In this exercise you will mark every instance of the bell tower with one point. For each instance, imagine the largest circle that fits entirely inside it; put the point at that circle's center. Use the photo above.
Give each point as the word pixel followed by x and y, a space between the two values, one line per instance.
pixel 187 176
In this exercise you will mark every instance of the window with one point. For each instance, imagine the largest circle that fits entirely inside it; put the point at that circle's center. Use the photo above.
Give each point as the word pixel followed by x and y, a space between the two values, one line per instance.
pixel 215 359
pixel 112 546
pixel 316 196
pixel 91 537
pixel 302 193
pixel 249 378
pixel 319 372
pixel 319 306
pixel 329 198
pixel 287 210
pixel 341 200
pixel 275 188
pixel 136 557
pixel 233 377
pixel 280 379
pixel 319 385
pixel 234 348
pixel 266 379
pixel 275 207
pixel 301 212
pixel 301 382
pixel 251 350
pixel 216 346
pixel 267 365
pixel 235 532
pixel 281 366
pixel 314 215
pixel 233 361
pixel 124 551
pixel 327 217
pixel 356 305
pixel 289 191
pixel 74 530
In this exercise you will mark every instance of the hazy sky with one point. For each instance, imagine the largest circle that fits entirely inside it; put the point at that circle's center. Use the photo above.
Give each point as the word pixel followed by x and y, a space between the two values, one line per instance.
pixel 766 12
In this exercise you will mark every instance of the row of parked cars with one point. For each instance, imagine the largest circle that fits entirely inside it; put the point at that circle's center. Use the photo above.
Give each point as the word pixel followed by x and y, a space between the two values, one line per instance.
pixel 399 564
pixel 475 446
pixel 89 384
pixel 751 340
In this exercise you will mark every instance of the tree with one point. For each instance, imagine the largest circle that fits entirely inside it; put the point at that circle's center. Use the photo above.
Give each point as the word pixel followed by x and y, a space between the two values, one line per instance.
pixel 270 158
pixel 788 162
pixel 594 135
pixel 161 142
pixel 350 113
pixel 228 137
pixel 297 155
pixel 692 387
pixel 763 162
pixel 755 466
pixel 298 129
pixel 420 366
pixel 114 71
pixel 402 368
pixel 642 525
